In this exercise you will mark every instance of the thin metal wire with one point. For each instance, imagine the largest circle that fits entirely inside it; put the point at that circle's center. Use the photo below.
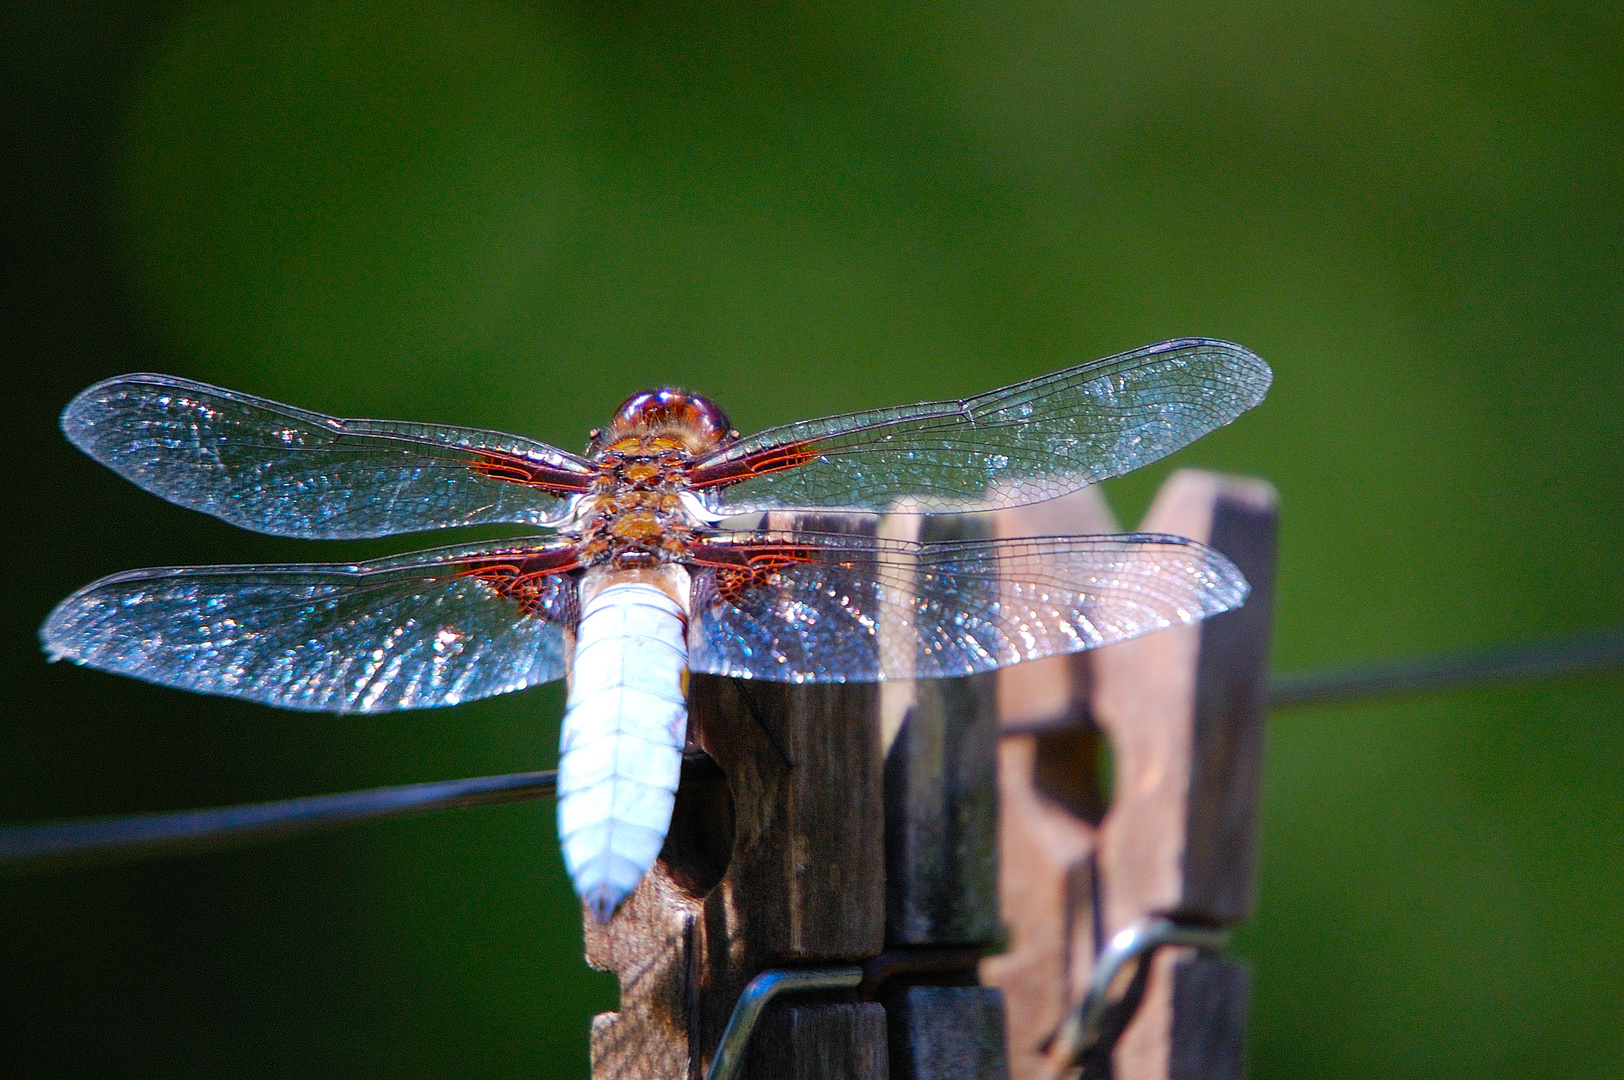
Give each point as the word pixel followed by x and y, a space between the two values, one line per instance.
pixel 1548 658
pixel 96 840
pixel 754 1001
pixel 1084 1026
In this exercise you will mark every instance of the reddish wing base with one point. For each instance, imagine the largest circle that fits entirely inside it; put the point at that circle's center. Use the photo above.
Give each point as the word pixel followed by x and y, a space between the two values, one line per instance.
pixel 518 470
pixel 537 582
pixel 767 460
pixel 740 567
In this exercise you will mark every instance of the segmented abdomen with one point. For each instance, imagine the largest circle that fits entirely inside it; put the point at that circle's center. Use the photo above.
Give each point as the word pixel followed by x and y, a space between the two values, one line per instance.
pixel 620 752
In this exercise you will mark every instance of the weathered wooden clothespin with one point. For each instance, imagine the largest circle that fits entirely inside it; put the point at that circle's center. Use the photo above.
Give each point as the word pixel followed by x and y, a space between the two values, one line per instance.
pixel 1170 832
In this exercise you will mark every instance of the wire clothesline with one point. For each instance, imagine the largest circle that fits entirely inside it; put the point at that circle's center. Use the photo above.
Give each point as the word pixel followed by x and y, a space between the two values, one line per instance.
pixel 1532 661
pixel 105 839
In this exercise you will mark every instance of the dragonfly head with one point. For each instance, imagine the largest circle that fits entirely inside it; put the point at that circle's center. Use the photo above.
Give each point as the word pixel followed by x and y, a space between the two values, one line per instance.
pixel 687 420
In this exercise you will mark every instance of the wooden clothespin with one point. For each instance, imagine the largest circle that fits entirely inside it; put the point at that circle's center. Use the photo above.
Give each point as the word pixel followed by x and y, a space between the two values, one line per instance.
pixel 1181 712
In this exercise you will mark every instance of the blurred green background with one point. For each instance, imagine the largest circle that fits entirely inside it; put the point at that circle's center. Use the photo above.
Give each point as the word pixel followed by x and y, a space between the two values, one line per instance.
pixel 512 216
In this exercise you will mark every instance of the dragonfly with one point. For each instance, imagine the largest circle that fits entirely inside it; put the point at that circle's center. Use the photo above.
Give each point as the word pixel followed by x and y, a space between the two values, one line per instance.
pixel 654 554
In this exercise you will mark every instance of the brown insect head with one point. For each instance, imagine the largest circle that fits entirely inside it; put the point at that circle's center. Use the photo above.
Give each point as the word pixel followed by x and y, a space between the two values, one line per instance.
pixel 688 421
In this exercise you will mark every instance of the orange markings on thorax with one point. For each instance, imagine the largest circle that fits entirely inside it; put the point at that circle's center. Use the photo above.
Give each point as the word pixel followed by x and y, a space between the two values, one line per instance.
pixel 641 471
pixel 635 525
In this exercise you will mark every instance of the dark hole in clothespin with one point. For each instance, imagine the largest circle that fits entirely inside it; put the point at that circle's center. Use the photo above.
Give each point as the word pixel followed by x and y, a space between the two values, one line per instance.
pixel 1073 767
pixel 700 841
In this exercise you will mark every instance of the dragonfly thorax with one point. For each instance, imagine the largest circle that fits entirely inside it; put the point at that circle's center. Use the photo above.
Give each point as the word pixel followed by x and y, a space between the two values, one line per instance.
pixel 636 515
pixel 637 523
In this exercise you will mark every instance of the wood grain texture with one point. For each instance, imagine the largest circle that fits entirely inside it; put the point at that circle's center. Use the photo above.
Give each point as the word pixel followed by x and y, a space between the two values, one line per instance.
pixel 803 881
pixel 946 1033
pixel 1231 707
pixel 1184 709
pixel 1210 996
pixel 941 797
pixel 819 1042
pixel 941 851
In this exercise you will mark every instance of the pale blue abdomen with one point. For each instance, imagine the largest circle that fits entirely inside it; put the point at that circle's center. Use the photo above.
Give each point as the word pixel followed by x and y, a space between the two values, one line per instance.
pixel 620 752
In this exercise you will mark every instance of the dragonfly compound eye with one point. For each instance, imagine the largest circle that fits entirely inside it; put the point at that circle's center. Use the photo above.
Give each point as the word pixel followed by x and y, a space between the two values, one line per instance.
pixel 697 422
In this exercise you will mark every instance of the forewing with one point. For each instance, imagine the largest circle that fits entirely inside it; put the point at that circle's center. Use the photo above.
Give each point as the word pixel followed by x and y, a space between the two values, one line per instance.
pixel 432 628
pixel 835 608
pixel 280 470
pixel 1035 440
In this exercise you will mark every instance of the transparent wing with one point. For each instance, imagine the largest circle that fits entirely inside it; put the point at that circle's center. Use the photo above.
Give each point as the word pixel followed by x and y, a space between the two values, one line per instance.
pixel 804 607
pixel 431 628
pixel 280 470
pixel 1035 440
